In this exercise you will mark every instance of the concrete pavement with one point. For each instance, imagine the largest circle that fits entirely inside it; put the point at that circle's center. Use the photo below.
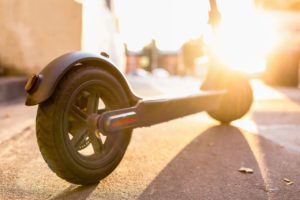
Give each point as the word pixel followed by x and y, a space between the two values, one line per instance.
pixel 15 117
pixel 11 88
pixel 188 158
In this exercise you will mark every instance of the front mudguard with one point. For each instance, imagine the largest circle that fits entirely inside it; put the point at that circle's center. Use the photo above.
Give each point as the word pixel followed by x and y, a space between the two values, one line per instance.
pixel 50 76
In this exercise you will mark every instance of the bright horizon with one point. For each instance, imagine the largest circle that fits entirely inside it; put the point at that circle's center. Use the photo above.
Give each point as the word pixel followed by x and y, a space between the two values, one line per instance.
pixel 170 23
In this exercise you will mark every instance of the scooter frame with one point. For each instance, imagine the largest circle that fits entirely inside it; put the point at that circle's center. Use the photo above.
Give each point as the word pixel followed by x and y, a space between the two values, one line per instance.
pixel 142 112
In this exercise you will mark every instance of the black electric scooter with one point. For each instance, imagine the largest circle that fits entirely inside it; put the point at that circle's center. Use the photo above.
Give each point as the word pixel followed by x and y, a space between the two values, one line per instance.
pixel 87 112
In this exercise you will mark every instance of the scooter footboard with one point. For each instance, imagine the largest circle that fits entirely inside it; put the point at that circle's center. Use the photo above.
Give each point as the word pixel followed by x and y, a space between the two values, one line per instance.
pixel 150 112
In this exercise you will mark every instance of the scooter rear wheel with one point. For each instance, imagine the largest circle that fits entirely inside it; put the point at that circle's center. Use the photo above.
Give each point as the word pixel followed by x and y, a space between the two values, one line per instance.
pixel 237 102
pixel 68 141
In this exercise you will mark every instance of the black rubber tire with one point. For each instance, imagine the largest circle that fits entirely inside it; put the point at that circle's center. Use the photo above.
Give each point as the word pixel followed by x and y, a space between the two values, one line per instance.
pixel 50 125
pixel 237 102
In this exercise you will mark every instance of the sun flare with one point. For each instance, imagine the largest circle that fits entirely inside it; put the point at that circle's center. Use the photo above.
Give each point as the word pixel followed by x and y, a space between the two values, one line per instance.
pixel 244 37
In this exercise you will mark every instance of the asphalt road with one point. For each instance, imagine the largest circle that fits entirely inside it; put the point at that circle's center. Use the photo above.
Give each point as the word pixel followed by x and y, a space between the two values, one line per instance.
pixel 189 158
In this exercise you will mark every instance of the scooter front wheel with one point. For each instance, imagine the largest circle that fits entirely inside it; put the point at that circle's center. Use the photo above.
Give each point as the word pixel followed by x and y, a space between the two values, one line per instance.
pixel 72 147
pixel 238 100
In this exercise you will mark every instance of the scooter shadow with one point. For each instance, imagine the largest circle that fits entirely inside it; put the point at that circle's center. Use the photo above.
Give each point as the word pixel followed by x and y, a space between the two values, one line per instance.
pixel 208 167
pixel 75 192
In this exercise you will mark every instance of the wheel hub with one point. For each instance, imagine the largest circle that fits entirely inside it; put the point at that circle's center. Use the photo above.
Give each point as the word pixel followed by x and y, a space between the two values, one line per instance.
pixel 92 123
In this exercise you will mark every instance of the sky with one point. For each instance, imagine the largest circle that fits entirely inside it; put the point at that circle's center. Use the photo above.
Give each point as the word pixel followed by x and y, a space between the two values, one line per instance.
pixel 170 22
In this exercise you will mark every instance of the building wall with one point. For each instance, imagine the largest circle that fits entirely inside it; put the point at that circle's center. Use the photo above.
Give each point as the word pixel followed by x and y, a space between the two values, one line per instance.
pixel 100 31
pixel 33 32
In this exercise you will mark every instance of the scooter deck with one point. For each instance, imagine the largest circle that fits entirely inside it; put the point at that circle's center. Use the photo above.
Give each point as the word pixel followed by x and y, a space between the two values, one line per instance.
pixel 161 109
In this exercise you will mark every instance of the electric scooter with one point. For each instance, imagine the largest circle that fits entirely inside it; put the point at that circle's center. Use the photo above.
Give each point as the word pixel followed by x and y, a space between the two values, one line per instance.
pixel 87 112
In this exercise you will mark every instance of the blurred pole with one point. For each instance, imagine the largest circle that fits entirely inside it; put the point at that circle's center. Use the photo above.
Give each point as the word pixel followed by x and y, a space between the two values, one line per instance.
pixel 214 16
pixel 153 55
pixel 109 4
pixel 214 70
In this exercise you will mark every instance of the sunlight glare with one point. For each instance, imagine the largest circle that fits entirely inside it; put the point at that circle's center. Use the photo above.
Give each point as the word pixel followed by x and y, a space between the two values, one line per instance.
pixel 244 37
pixel 170 23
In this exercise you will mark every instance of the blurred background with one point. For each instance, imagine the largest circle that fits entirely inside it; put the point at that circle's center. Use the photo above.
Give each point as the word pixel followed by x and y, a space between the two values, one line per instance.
pixel 162 37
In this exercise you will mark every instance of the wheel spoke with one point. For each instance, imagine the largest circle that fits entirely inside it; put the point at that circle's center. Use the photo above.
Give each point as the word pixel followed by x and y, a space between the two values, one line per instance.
pixel 78 114
pixel 82 117
pixel 99 112
pixel 77 139
pixel 96 142
pixel 93 101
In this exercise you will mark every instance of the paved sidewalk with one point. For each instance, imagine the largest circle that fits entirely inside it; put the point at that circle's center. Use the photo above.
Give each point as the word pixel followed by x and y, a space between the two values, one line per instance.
pixel 15 118
pixel 12 88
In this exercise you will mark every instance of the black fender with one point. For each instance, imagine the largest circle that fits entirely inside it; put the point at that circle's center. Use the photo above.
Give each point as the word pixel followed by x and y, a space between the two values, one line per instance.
pixel 50 76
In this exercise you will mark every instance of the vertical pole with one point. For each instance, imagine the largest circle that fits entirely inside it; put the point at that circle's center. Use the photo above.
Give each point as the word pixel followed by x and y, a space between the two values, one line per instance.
pixel 214 14
pixel 109 4
pixel 214 70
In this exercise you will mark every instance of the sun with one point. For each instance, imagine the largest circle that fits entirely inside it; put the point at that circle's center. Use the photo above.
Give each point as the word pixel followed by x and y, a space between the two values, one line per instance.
pixel 244 37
